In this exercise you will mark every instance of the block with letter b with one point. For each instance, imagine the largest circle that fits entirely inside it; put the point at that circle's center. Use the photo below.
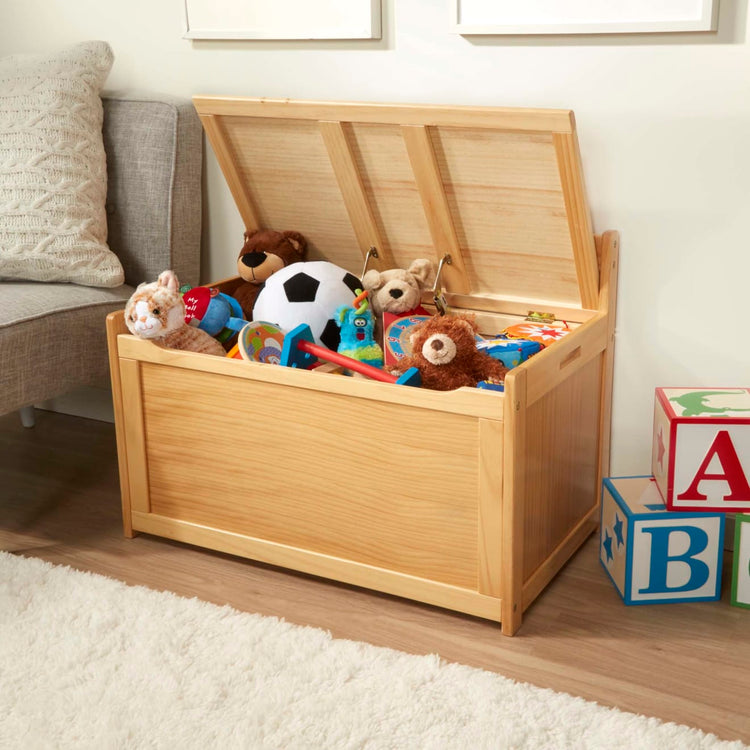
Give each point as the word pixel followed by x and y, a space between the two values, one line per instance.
pixel 654 555
pixel 701 448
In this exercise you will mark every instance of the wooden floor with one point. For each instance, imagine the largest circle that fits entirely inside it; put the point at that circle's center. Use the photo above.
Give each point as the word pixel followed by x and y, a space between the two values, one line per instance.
pixel 688 663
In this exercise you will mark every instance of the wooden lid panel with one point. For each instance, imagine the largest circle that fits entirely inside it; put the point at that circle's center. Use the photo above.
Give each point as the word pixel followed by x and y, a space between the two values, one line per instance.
pixel 383 162
pixel 500 191
pixel 506 199
pixel 290 183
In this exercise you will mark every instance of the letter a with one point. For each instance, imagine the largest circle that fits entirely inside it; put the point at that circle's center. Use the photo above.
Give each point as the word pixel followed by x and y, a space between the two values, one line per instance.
pixel 733 473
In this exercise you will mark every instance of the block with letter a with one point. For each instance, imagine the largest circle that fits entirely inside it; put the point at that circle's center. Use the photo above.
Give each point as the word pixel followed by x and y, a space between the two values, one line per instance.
pixel 701 448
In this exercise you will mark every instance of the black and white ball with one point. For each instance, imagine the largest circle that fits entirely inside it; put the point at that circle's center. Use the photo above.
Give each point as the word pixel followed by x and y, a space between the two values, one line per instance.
pixel 307 292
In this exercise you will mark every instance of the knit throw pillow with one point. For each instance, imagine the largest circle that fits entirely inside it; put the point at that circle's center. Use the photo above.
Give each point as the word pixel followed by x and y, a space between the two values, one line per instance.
pixel 53 173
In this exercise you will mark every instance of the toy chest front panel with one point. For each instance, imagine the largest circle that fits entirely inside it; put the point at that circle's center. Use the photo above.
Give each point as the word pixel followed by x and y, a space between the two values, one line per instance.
pixel 355 480
pixel 466 499
pixel 317 471
pixel 330 475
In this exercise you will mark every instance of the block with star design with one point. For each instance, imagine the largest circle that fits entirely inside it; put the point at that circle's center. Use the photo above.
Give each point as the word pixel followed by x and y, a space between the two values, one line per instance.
pixel 740 596
pixel 701 448
pixel 654 555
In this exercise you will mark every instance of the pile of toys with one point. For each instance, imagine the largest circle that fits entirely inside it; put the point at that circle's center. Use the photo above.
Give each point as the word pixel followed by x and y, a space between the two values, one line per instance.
pixel 298 313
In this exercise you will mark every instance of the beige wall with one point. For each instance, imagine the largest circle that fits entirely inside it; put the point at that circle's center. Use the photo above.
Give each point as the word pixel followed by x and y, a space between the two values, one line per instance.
pixel 664 124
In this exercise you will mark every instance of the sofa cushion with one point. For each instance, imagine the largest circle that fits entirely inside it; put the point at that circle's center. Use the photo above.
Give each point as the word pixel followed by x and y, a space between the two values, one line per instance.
pixel 26 301
pixel 154 157
pixel 53 176
pixel 52 338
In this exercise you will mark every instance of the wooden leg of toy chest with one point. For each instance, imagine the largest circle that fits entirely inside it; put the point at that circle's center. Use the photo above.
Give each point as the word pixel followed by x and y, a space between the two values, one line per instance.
pixel 608 246
pixel 513 492
pixel 115 326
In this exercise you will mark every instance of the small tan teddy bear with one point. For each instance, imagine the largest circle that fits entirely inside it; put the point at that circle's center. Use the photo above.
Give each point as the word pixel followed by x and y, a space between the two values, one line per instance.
pixel 446 355
pixel 398 290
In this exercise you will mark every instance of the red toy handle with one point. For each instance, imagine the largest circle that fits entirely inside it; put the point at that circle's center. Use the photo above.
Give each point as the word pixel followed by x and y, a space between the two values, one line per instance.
pixel 300 350
pixel 321 352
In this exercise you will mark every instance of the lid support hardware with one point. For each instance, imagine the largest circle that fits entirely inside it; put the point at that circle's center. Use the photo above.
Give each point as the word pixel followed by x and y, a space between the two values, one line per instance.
pixel 371 253
pixel 432 181
pixel 437 290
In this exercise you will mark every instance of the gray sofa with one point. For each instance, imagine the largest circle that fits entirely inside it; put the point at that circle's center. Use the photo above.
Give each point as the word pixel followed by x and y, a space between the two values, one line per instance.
pixel 52 336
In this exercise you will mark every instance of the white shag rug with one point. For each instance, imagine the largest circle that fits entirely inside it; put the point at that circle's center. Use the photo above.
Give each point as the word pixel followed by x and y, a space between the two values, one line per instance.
pixel 88 662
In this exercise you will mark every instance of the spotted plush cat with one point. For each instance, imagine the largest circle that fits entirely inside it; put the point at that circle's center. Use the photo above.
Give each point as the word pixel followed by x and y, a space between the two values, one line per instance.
pixel 156 311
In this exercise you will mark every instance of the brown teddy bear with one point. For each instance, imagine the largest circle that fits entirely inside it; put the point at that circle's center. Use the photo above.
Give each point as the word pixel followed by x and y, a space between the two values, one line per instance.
pixel 265 251
pixel 446 355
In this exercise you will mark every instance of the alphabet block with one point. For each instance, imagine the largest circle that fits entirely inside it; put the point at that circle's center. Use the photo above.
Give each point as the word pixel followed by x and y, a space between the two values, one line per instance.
pixel 741 567
pixel 701 448
pixel 654 555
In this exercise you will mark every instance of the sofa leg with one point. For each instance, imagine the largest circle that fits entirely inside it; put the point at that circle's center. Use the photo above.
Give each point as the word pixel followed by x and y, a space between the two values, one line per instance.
pixel 27 415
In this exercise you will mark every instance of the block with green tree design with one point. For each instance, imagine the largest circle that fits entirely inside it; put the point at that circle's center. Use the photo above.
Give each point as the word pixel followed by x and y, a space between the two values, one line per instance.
pixel 701 448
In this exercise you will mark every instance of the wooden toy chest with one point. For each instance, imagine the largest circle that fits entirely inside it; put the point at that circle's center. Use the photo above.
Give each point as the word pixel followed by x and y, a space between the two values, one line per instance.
pixel 470 500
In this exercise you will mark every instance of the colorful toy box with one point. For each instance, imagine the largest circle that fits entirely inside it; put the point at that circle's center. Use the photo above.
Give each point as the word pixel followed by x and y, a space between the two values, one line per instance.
pixel 740 596
pixel 654 555
pixel 480 497
pixel 701 448
pixel 511 352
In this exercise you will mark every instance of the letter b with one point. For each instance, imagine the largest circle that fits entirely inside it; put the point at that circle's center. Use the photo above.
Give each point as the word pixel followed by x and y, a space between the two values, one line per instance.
pixel 661 559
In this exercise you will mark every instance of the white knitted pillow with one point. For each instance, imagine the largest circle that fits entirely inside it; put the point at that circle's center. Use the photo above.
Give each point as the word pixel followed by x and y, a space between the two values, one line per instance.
pixel 53 172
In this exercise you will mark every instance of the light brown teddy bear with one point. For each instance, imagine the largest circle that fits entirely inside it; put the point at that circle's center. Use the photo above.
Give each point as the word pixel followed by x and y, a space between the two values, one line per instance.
pixel 398 290
pixel 395 293
pixel 446 355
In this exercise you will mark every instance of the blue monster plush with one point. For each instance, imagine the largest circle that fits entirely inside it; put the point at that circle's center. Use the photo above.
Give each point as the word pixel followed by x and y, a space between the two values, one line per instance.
pixel 357 326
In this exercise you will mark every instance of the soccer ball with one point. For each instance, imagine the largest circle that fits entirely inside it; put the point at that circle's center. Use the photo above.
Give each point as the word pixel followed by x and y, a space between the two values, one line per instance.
pixel 307 292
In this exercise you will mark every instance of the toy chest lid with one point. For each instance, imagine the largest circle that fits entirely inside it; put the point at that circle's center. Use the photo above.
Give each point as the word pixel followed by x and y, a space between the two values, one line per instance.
pixel 499 190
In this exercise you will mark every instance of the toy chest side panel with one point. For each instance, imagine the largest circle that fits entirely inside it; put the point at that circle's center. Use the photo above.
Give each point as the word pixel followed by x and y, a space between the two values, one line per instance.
pixel 349 488
pixel 562 443
pixel 560 461
pixel 561 450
